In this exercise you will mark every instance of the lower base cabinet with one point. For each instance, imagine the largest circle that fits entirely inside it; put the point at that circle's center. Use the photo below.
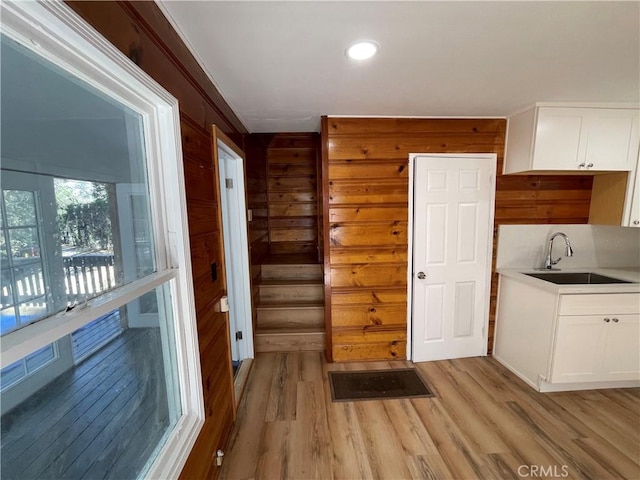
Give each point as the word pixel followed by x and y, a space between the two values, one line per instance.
pixel 596 348
pixel 558 341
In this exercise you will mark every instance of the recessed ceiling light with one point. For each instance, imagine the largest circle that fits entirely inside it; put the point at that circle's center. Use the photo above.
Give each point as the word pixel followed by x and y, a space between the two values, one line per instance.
pixel 362 50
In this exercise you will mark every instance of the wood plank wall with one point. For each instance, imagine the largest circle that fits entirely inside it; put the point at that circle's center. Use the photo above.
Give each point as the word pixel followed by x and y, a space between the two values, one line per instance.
pixel 292 190
pixel 365 190
pixel 141 32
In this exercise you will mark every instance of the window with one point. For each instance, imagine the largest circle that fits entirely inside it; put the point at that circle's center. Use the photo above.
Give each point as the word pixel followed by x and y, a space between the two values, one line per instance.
pixel 30 364
pixel 23 280
pixel 99 350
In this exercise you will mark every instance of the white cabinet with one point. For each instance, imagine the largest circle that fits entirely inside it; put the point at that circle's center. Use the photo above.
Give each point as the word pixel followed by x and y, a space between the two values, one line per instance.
pixel 621 355
pixel 633 200
pixel 566 341
pixel 596 348
pixel 554 138
pixel 597 338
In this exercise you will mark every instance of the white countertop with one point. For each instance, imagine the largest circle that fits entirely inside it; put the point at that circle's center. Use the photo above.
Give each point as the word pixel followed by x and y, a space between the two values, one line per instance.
pixel 629 274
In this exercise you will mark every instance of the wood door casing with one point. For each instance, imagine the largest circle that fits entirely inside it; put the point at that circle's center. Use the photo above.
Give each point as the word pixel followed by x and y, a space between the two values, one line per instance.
pixel 255 148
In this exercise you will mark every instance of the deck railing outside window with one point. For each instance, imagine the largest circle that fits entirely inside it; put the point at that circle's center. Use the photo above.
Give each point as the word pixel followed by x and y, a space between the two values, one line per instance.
pixel 87 275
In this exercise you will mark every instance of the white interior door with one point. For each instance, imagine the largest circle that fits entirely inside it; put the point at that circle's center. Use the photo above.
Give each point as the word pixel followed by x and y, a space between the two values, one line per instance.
pixel 236 250
pixel 453 205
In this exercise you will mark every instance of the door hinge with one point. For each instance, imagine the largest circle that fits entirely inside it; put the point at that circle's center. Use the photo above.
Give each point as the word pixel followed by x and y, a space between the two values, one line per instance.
pixel 228 182
pixel 238 335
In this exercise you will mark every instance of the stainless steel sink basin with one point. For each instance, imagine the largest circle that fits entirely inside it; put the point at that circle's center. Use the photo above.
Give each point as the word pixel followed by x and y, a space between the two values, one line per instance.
pixel 572 278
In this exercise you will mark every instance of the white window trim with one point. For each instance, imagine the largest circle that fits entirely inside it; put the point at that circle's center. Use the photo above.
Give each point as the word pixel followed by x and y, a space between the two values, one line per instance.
pixel 55 32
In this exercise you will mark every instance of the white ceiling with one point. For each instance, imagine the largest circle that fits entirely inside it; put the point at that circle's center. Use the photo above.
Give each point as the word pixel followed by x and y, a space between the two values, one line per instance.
pixel 281 65
pixel 53 123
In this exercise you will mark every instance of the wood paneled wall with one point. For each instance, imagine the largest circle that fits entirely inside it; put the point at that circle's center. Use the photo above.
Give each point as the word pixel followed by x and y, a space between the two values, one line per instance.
pixel 292 191
pixel 141 32
pixel 365 185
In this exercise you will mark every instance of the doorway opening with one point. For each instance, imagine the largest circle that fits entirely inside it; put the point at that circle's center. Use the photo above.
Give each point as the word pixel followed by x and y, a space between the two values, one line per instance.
pixel 231 177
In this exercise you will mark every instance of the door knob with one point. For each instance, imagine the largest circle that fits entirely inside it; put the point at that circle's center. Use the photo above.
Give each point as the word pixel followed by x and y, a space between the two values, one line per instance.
pixel 421 275
pixel 615 320
pixel 607 320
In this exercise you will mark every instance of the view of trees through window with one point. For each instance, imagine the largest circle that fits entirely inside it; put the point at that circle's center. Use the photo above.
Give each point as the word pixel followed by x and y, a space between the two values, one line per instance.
pixel 83 216
pixel 29 237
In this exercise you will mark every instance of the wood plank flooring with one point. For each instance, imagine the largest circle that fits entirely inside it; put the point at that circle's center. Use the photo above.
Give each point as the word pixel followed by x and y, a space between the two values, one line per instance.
pixel 483 423
pixel 101 419
pixel 93 336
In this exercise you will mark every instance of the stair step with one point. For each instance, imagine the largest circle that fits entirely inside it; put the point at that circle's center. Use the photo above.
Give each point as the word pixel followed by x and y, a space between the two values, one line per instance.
pixel 290 315
pixel 291 258
pixel 291 272
pixel 285 340
pixel 291 290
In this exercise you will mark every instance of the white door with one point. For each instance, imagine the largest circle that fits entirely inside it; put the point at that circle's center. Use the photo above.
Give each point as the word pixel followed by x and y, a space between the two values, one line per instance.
pixel 137 257
pixel 453 205
pixel 32 281
pixel 236 249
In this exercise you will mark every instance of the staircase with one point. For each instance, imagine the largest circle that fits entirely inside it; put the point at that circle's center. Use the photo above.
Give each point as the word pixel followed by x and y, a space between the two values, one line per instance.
pixel 291 305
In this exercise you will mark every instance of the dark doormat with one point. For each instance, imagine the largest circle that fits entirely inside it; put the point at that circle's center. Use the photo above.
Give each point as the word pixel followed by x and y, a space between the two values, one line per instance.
pixel 377 384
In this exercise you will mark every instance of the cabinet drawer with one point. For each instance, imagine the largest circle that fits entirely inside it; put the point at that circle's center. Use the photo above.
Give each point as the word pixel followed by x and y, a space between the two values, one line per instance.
pixel 602 303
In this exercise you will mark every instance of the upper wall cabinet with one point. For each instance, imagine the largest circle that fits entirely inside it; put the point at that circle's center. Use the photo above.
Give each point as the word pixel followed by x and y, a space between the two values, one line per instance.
pixel 633 200
pixel 586 139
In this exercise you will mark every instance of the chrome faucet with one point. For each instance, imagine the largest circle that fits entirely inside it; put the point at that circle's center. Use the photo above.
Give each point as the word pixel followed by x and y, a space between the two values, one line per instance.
pixel 548 261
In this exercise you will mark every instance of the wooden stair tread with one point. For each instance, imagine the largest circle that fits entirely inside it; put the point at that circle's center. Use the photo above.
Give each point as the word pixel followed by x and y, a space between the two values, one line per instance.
pixel 290 331
pixel 276 305
pixel 305 272
pixel 291 283
pixel 290 310
pixel 291 259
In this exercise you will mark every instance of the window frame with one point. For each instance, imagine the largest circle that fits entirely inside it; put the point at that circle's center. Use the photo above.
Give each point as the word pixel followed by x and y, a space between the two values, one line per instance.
pixel 56 33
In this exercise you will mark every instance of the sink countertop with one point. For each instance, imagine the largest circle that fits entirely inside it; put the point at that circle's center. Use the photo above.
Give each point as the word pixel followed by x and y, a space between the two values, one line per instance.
pixel 629 274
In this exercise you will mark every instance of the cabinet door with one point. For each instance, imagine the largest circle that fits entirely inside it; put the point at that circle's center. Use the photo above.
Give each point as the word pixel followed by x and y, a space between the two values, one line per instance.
pixel 557 143
pixel 633 219
pixel 610 137
pixel 621 360
pixel 578 349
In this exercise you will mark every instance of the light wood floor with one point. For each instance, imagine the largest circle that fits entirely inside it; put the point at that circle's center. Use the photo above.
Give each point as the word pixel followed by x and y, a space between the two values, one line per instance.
pixel 484 423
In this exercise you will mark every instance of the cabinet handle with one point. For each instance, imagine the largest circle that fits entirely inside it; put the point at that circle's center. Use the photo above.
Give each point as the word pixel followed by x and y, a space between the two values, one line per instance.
pixel 636 222
pixel 581 165
pixel 607 320
pixel 615 320
pixel 590 165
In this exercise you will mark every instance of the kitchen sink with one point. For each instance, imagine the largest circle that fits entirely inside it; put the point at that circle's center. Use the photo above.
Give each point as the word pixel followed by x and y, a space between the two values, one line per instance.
pixel 572 278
